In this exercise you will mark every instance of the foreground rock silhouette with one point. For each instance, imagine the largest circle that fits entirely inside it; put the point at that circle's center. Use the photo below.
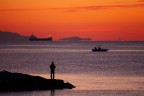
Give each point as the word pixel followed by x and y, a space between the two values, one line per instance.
pixel 24 82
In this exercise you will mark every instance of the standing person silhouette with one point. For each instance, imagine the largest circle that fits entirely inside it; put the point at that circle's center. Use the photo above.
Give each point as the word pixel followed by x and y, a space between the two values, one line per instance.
pixel 52 67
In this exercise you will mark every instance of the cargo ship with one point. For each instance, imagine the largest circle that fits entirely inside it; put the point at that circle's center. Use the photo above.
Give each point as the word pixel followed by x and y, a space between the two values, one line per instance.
pixel 34 38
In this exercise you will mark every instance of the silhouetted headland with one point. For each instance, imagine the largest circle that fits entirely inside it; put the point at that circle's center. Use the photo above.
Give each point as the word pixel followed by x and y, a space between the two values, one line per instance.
pixel 24 82
pixel 11 36
pixel 75 39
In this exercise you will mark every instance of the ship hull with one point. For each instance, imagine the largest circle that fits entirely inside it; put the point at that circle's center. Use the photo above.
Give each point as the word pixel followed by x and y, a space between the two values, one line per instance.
pixel 41 39
pixel 101 50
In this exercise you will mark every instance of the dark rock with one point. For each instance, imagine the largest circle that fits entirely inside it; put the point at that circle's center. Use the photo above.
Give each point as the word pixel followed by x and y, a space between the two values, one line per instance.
pixel 24 82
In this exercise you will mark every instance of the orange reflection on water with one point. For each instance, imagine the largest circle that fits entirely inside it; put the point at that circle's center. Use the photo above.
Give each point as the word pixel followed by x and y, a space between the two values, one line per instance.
pixel 93 82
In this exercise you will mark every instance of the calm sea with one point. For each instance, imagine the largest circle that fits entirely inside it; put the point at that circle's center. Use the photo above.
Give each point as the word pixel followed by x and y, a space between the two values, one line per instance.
pixel 118 72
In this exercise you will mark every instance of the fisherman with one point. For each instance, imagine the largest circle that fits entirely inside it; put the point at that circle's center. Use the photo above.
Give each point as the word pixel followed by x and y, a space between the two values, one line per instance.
pixel 95 48
pixel 99 48
pixel 52 67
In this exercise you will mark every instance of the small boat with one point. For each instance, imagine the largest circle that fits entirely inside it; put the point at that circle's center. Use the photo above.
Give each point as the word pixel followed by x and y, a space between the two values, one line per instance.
pixel 99 49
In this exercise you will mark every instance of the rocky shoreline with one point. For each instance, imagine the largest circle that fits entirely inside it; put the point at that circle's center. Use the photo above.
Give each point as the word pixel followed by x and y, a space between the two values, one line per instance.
pixel 24 82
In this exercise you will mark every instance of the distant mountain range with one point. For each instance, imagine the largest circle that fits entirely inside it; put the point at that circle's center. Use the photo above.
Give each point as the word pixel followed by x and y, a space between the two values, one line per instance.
pixel 75 39
pixel 10 36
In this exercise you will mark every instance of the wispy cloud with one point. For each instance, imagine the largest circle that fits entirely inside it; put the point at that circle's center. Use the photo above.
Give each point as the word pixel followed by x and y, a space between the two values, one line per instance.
pixel 127 6
pixel 32 9
pixel 140 0
pixel 84 8
pixel 74 9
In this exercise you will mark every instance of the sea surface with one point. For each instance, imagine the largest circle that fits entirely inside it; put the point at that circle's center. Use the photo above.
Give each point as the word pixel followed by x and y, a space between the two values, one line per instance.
pixel 118 72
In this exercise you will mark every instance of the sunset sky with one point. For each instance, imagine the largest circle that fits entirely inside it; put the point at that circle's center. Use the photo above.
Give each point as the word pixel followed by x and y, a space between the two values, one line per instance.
pixel 96 19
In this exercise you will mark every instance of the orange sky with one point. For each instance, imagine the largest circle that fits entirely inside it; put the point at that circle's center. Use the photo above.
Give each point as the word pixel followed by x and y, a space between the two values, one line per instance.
pixel 97 19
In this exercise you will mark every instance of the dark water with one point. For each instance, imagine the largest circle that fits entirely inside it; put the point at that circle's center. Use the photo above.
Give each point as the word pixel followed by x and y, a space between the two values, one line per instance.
pixel 118 72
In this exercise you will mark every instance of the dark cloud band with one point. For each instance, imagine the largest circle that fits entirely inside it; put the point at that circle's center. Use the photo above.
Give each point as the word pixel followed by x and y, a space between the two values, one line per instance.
pixel 74 9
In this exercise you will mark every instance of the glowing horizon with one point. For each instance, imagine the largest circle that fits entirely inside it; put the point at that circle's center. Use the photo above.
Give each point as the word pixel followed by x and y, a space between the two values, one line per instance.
pixel 98 20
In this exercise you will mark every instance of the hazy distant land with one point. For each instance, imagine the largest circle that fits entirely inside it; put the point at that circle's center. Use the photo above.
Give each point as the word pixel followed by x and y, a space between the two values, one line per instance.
pixel 75 39
pixel 12 36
